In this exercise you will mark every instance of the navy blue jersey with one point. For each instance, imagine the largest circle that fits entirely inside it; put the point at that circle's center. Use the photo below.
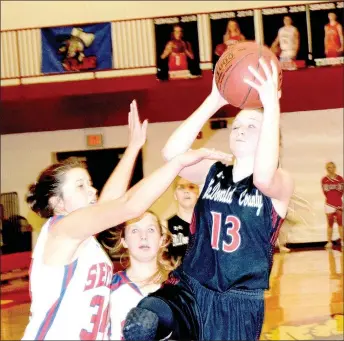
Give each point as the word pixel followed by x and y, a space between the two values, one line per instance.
pixel 233 232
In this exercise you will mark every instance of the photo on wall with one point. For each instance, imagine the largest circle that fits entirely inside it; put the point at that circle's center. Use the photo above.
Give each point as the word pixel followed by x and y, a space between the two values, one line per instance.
pixel 285 32
pixel 177 49
pixel 327 20
pixel 228 28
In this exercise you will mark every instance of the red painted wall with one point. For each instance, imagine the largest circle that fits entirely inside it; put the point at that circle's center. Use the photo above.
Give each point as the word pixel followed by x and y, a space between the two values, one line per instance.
pixel 105 102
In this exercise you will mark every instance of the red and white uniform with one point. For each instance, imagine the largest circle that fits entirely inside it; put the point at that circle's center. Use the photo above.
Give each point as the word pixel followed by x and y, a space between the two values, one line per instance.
pixel 333 190
pixel 178 61
pixel 125 295
pixel 332 40
pixel 70 302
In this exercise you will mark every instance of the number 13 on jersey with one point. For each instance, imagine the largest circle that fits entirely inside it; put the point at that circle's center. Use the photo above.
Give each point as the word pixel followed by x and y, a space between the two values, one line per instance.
pixel 232 225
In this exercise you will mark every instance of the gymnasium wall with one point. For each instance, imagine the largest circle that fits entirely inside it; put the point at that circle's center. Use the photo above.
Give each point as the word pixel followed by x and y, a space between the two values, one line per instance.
pixel 310 139
pixel 28 14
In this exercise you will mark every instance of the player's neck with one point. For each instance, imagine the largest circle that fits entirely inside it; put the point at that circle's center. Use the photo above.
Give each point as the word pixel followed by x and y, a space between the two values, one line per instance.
pixel 184 213
pixel 139 272
pixel 332 176
pixel 242 168
pixel 333 22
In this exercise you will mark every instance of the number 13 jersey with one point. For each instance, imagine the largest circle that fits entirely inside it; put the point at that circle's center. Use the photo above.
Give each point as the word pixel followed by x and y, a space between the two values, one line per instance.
pixel 233 233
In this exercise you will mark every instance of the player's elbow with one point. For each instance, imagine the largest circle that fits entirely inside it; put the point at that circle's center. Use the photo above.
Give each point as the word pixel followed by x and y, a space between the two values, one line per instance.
pixel 263 180
pixel 262 184
pixel 167 154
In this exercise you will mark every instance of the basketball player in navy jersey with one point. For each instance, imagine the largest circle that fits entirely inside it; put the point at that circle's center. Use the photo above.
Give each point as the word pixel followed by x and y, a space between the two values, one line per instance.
pixel 217 292
pixel 186 195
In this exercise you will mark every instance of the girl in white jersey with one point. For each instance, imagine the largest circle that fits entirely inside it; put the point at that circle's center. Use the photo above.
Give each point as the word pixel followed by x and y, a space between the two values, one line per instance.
pixel 142 244
pixel 70 273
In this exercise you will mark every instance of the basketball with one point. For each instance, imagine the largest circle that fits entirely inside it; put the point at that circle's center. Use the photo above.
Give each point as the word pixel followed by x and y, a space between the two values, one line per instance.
pixel 232 68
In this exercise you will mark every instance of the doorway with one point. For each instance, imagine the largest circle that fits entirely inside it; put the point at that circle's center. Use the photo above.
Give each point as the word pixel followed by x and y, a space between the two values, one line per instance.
pixel 101 163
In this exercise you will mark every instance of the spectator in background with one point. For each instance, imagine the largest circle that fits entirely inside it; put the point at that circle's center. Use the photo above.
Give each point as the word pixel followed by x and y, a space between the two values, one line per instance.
pixel 333 188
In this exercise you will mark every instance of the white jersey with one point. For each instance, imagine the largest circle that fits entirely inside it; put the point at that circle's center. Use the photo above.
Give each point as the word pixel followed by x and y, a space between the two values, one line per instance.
pixel 288 41
pixel 125 295
pixel 70 302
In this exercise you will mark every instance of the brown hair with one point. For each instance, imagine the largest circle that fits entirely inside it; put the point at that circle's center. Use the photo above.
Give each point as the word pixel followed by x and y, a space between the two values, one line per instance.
pixel 48 185
pixel 165 262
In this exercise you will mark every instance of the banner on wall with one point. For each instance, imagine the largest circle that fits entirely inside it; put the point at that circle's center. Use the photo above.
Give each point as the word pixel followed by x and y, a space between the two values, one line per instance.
pixel 327 20
pixel 79 48
pixel 229 28
pixel 177 49
pixel 285 32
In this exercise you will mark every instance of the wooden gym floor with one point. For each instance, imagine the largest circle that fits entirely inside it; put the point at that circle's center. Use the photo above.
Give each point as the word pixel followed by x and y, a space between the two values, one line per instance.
pixel 305 301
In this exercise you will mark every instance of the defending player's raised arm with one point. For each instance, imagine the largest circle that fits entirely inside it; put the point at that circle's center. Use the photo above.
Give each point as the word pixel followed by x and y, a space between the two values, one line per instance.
pixel 183 137
pixel 68 233
pixel 118 181
pixel 268 178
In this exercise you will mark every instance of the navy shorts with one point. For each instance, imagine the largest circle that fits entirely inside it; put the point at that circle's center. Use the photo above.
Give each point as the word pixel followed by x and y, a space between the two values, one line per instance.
pixel 203 314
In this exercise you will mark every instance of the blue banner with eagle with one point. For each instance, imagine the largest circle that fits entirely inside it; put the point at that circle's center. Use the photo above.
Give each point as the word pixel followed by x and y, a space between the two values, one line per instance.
pixel 78 48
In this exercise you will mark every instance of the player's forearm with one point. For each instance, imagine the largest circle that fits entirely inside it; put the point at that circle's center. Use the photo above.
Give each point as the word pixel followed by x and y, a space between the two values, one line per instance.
pixel 189 54
pixel 118 181
pixel 91 220
pixel 184 136
pixel 267 153
pixel 148 190
pixel 167 51
pixel 276 42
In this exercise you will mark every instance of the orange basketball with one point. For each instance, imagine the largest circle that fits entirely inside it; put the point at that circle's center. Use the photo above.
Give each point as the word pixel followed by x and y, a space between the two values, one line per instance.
pixel 232 68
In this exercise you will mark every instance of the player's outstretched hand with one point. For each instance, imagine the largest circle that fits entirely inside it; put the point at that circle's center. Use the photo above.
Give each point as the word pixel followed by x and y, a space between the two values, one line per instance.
pixel 268 87
pixel 192 157
pixel 137 131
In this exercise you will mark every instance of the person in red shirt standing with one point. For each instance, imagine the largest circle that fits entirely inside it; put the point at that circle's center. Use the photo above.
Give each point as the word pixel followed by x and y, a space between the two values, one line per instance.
pixel 333 189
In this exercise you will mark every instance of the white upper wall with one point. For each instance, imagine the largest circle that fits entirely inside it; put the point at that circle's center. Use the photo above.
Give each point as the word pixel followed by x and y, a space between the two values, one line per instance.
pixel 306 149
pixel 27 14
pixel 24 156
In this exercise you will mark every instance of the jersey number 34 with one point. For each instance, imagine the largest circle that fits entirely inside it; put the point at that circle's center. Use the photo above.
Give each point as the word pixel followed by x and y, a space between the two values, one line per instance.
pixel 232 231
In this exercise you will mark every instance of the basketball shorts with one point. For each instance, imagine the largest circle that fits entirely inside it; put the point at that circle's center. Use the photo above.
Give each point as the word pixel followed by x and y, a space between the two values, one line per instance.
pixel 336 215
pixel 199 313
